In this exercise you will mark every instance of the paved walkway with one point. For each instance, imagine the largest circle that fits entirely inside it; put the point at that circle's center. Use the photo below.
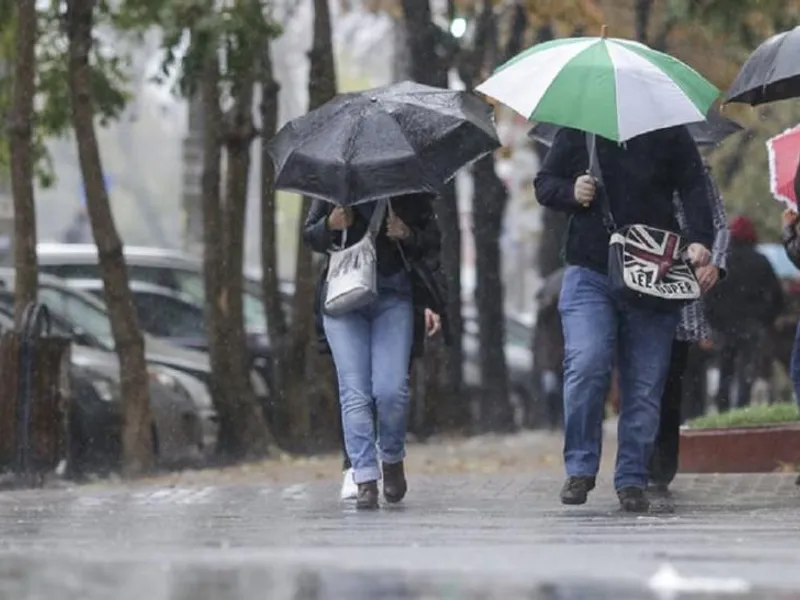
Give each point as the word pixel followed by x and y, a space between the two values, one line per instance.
pixel 473 534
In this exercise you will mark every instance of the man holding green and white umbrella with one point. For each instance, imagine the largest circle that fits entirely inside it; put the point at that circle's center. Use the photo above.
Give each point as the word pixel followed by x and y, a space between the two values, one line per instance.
pixel 627 104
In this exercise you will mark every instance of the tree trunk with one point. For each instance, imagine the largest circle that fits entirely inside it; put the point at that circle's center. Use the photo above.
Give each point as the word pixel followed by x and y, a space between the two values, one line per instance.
pixel 488 208
pixel 295 386
pixel 21 142
pixel 275 317
pixel 643 9
pixel 137 441
pixel 252 438
pixel 429 68
pixel 241 425
pixel 214 253
pixel 488 211
pixel 554 224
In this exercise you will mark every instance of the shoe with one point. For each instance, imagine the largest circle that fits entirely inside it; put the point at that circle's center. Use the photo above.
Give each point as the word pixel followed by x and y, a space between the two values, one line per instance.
pixel 349 487
pixel 367 498
pixel 633 499
pixel 658 488
pixel 394 482
pixel 576 489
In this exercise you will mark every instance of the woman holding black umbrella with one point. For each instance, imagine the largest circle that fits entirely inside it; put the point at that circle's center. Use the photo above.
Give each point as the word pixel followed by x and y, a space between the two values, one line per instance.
pixel 374 161
pixel 372 345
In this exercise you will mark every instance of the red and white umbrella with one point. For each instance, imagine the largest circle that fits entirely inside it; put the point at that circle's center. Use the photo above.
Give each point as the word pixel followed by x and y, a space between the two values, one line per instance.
pixel 784 156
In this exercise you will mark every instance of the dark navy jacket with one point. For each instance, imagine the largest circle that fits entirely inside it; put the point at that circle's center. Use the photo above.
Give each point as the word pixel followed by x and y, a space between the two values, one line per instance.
pixel 640 178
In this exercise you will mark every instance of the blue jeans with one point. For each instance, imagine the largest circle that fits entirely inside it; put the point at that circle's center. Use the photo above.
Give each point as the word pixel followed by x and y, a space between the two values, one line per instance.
pixel 794 366
pixel 371 350
pixel 600 331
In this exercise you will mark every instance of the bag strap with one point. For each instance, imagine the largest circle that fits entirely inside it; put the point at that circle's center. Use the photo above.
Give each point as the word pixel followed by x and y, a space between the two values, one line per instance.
pixel 374 222
pixel 595 171
pixel 377 217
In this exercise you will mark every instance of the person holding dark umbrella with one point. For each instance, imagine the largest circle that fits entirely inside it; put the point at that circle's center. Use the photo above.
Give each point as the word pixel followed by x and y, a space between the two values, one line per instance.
pixel 374 162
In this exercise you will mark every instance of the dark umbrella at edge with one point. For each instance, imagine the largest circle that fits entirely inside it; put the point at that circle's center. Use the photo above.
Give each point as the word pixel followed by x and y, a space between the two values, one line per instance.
pixel 770 73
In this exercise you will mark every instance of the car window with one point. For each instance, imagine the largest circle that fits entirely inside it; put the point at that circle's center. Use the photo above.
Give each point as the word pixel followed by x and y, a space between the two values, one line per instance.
pixel 156 275
pixel 191 283
pixel 72 271
pixel 85 315
pixel 169 317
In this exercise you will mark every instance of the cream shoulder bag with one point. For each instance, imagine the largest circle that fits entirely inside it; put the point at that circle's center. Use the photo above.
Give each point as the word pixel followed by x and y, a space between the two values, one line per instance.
pixel 352 272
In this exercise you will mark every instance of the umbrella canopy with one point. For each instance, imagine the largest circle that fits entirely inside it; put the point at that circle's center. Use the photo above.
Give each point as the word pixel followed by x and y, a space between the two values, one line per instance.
pixel 784 161
pixel 614 88
pixel 704 133
pixel 771 73
pixel 399 139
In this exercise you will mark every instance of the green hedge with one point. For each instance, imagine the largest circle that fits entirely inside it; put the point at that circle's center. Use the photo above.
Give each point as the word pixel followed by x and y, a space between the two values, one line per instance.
pixel 749 417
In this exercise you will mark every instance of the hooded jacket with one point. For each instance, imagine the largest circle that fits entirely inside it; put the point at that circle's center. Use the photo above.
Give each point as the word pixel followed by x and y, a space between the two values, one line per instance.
pixel 640 176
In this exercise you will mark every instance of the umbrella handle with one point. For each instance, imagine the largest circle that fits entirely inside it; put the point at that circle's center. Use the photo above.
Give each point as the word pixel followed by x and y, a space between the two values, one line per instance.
pixel 587 204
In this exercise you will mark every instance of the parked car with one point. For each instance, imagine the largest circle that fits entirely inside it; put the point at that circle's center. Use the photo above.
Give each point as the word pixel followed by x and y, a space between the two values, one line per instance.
pixel 171 269
pixel 519 358
pixel 179 319
pixel 89 319
pixel 95 416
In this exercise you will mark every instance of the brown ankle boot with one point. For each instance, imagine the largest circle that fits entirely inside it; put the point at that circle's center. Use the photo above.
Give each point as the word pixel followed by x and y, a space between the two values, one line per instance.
pixel 394 482
pixel 367 495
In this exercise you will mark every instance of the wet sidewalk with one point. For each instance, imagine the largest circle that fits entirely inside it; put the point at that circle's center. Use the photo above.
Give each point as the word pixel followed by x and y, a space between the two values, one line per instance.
pixel 498 534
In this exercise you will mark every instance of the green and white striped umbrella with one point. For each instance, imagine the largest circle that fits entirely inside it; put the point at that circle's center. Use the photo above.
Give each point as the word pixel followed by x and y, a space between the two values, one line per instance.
pixel 615 88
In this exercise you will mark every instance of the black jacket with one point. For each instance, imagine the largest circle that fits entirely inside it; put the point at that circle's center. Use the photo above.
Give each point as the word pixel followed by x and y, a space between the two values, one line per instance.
pixel 421 249
pixel 749 297
pixel 640 178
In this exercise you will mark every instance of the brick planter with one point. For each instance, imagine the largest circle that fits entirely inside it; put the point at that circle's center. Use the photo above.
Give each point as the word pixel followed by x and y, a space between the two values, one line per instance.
pixel 744 450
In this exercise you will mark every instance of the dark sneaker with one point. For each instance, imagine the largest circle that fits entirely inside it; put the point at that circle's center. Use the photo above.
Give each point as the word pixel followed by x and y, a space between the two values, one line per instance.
pixel 633 499
pixel 394 482
pixel 576 490
pixel 658 488
pixel 367 498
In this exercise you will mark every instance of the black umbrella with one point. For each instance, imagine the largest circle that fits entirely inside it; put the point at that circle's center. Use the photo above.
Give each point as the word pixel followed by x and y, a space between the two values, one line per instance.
pixel 772 72
pixel 389 141
pixel 705 133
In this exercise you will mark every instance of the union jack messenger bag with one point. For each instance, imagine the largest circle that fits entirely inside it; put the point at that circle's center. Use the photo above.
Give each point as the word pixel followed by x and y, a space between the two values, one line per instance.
pixel 647 266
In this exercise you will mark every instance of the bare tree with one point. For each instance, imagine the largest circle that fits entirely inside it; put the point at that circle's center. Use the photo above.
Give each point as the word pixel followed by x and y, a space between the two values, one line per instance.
pixel 137 438
pixel 22 159
pixel 642 10
pixel 291 346
pixel 276 319
pixel 431 53
pixel 243 432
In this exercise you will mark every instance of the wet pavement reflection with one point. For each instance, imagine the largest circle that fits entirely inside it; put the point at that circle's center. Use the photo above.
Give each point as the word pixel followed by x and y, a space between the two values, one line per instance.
pixel 25 578
pixel 479 537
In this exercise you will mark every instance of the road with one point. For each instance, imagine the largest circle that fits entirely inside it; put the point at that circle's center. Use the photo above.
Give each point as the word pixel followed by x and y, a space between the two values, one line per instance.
pixel 471 535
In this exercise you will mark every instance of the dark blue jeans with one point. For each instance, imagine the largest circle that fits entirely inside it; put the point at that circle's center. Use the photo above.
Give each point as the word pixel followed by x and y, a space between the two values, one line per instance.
pixel 794 367
pixel 599 332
